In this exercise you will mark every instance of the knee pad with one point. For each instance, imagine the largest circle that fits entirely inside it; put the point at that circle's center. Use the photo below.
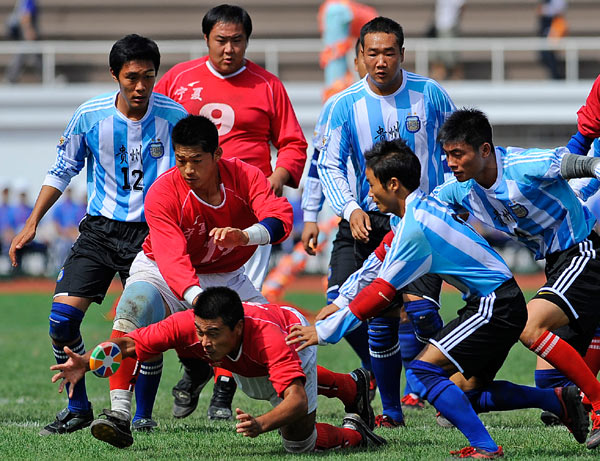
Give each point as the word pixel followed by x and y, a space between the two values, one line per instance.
pixel 141 304
pixel 64 323
pixel 383 336
pixel 425 318
pixel 301 446
pixel 410 346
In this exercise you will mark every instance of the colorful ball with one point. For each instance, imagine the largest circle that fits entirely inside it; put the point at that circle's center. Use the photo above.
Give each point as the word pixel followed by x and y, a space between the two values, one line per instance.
pixel 105 359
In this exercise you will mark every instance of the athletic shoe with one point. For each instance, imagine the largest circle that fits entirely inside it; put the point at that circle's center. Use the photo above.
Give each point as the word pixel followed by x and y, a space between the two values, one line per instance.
pixel 573 415
pixel 361 404
pixel 220 402
pixel 186 393
pixel 369 438
pixel 113 429
pixel 386 421
pixel 67 421
pixel 550 419
pixel 594 439
pixel 478 453
pixel 412 402
pixel 442 421
pixel 143 425
pixel 372 387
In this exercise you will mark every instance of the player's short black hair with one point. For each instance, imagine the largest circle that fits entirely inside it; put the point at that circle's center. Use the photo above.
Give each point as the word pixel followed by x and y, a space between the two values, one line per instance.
pixel 133 47
pixel 385 25
pixel 357 47
pixel 229 14
pixel 467 125
pixel 215 302
pixel 196 130
pixel 394 159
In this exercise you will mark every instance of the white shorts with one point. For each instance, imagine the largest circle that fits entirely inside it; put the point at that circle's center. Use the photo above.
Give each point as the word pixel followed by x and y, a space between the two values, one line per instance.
pixel 258 265
pixel 260 388
pixel 145 270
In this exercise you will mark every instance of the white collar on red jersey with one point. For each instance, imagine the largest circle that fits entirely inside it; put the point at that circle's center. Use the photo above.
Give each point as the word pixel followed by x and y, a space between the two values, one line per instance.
pixel 216 73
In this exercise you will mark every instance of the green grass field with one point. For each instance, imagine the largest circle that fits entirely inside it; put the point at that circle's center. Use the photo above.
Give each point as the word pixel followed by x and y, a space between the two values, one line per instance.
pixel 28 401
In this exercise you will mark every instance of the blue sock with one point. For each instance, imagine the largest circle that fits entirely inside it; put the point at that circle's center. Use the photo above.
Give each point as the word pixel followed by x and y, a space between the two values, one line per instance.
pixel 64 329
pixel 549 379
pixel 432 383
pixel 146 388
pixel 410 346
pixel 387 363
pixel 504 395
pixel 359 340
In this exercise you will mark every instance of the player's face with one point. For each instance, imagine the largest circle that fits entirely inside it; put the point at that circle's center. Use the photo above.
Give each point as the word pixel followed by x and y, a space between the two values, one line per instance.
pixel 218 340
pixel 384 198
pixel 136 81
pixel 227 44
pixel 198 168
pixel 464 161
pixel 383 61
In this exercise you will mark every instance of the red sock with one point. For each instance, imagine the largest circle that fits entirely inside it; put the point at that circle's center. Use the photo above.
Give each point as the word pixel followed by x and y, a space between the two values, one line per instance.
pixel 221 372
pixel 592 356
pixel 566 359
pixel 340 385
pixel 126 375
pixel 329 437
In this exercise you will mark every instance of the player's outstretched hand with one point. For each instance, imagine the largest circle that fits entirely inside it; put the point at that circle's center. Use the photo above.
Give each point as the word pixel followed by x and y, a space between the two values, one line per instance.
pixel 310 237
pixel 228 237
pixel 19 241
pixel 307 335
pixel 247 425
pixel 360 225
pixel 326 312
pixel 72 371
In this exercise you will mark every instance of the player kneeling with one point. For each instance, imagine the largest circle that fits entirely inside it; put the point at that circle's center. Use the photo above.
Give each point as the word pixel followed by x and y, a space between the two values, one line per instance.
pixel 247 339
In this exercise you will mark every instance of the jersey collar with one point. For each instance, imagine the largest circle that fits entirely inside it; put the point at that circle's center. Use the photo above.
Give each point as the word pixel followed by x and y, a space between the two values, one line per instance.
pixel 217 74
pixel 375 95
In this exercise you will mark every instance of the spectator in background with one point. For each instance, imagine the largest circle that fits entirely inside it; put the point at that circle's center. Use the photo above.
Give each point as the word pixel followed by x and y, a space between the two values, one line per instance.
pixel 340 22
pixel 22 24
pixel 7 226
pixel 445 64
pixel 65 219
pixel 552 24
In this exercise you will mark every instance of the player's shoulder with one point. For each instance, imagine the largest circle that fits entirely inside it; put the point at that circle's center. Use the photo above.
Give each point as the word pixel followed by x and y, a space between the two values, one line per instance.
pixel 166 181
pixel 423 84
pixel 92 111
pixel 254 69
pixel 164 106
pixel 181 68
pixel 344 101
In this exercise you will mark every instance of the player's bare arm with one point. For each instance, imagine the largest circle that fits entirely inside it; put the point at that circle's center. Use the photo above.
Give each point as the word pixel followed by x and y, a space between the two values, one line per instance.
pixel 47 197
pixel 293 407
pixel 307 335
pixel 229 237
pixel 310 237
pixel 360 225
pixel 278 179
pixel 327 311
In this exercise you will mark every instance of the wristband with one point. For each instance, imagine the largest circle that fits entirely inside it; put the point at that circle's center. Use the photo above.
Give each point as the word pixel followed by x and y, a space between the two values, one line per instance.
pixel 257 235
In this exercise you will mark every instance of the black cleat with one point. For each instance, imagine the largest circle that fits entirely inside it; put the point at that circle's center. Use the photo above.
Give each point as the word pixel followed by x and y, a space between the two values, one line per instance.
pixel 550 419
pixel 220 402
pixel 362 404
pixel 113 429
pixel 594 439
pixel 369 438
pixel 186 393
pixel 143 425
pixel 66 421
pixel 573 415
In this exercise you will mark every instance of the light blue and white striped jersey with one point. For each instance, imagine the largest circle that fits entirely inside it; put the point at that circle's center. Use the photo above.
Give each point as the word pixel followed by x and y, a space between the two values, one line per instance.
pixel 530 200
pixel 430 238
pixel 586 187
pixel 359 118
pixel 124 156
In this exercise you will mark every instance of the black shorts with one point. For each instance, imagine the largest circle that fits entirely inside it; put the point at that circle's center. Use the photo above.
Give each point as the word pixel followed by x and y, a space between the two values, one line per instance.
pixel 478 341
pixel 104 248
pixel 573 284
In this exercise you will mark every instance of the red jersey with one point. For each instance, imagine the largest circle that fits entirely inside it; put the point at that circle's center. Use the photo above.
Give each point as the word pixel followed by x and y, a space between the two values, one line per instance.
pixel 180 221
pixel 588 117
pixel 263 351
pixel 250 108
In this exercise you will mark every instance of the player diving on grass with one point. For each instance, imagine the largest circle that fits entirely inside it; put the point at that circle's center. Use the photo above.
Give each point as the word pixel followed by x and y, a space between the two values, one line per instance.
pixel 429 237
pixel 248 339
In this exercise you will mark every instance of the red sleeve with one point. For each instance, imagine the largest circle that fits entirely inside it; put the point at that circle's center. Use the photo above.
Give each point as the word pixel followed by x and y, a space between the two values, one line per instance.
pixel 169 245
pixel 261 198
pixel 588 117
pixel 286 135
pixel 175 332
pixel 381 250
pixel 164 84
pixel 281 360
pixel 372 299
